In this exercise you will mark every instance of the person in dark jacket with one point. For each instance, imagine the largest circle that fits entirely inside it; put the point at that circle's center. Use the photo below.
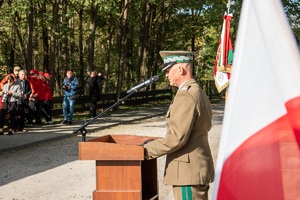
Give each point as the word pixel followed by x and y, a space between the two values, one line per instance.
pixel 23 109
pixel 93 81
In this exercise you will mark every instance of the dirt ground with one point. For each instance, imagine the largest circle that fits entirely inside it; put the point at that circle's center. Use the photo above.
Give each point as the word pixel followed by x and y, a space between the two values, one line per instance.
pixel 52 171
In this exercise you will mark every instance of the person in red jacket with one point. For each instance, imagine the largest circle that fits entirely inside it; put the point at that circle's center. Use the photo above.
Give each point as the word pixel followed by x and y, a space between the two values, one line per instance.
pixel 40 98
pixel 48 99
pixel 35 85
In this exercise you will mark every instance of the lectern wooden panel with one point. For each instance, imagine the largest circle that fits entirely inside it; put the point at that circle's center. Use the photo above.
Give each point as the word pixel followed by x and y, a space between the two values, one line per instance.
pixel 121 171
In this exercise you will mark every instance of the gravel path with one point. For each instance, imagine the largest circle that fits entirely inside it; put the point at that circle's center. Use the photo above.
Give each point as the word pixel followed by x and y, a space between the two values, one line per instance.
pixel 52 171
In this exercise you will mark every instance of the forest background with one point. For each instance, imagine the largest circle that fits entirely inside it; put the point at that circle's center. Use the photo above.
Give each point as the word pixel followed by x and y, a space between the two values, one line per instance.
pixel 119 38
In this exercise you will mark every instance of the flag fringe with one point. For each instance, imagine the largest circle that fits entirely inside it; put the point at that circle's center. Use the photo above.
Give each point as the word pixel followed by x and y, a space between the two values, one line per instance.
pixel 224 69
pixel 221 88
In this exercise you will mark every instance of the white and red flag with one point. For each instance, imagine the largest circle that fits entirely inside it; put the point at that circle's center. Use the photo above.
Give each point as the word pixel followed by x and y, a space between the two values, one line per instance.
pixel 224 57
pixel 259 152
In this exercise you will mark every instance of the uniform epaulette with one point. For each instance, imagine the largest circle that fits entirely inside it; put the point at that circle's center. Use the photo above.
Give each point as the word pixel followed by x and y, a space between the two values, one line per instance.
pixel 185 88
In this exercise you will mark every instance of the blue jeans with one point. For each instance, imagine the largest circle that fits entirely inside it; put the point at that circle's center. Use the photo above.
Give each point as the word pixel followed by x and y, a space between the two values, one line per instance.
pixel 68 108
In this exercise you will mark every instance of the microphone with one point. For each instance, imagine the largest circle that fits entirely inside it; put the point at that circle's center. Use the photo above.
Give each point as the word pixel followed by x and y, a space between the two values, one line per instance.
pixel 144 84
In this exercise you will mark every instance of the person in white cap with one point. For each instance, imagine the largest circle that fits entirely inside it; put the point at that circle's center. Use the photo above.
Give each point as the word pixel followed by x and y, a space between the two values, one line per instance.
pixel 189 163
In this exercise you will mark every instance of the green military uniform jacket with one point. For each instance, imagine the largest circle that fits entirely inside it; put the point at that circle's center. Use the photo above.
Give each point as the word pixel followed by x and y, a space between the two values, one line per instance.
pixel 189 118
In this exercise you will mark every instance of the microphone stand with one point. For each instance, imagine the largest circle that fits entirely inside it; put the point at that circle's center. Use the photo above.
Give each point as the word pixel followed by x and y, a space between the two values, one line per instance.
pixel 82 129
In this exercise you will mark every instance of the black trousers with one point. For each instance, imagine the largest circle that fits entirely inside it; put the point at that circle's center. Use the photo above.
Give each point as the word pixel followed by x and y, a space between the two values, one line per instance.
pixel 22 115
pixel 93 109
pixel 13 112
pixel 38 112
pixel 46 110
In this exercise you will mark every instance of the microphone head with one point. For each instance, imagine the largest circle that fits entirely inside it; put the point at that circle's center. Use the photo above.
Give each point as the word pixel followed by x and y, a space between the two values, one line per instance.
pixel 155 78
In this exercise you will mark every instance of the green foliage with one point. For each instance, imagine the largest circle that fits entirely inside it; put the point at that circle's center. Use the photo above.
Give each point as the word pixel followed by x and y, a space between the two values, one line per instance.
pixel 128 37
pixel 292 8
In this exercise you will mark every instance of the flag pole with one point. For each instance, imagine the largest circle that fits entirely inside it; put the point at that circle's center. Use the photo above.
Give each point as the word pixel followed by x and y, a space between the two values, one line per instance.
pixel 228 11
pixel 228 7
pixel 224 56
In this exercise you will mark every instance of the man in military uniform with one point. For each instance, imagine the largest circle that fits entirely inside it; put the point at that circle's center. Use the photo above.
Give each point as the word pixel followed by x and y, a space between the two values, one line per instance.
pixel 189 164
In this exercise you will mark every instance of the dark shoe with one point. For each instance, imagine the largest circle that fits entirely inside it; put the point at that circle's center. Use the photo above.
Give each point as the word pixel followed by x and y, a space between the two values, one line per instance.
pixel 70 123
pixel 64 122
pixel 1 133
pixel 10 133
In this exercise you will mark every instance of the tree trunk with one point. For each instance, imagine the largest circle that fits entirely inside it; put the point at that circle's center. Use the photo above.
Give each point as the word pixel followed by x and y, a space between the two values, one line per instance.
pixel 72 44
pixel 121 47
pixel 153 55
pixel 53 45
pixel 45 38
pixel 110 31
pixel 81 45
pixel 30 25
pixel 129 56
pixel 64 36
pixel 145 72
pixel 16 24
pixel 91 38
pixel 12 52
pixel 143 38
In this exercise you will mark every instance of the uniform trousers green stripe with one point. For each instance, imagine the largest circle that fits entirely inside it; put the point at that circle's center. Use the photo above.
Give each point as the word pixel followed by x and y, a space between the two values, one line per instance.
pixel 186 193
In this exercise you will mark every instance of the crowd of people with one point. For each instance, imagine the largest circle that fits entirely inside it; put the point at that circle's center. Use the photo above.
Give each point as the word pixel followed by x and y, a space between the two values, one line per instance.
pixel 25 100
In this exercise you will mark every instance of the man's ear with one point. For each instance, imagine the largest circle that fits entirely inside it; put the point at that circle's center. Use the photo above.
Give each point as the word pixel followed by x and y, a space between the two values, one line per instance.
pixel 182 70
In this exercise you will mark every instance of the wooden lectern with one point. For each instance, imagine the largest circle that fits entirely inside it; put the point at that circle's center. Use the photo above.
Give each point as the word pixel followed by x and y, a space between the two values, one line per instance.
pixel 121 171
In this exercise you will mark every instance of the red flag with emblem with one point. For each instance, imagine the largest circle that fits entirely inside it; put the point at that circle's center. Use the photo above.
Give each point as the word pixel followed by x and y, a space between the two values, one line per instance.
pixel 224 57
